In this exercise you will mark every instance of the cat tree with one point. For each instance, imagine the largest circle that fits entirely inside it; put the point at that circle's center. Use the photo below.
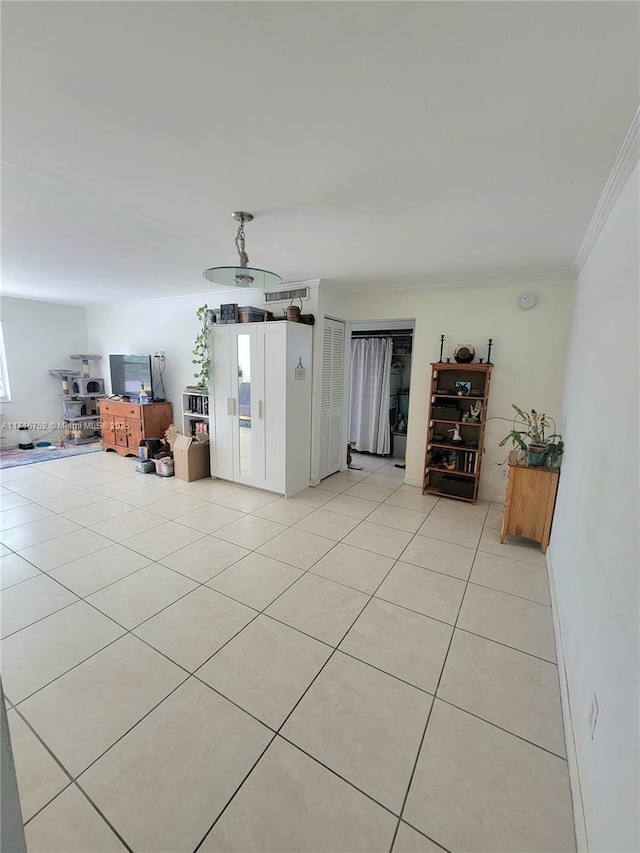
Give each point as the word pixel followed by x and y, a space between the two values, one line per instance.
pixel 80 395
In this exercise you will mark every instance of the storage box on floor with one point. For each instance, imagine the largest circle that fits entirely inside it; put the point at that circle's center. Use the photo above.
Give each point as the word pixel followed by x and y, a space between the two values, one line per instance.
pixel 190 458
pixel 155 457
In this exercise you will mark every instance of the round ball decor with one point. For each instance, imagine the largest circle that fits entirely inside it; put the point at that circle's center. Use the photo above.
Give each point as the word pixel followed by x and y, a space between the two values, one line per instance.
pixel 464 354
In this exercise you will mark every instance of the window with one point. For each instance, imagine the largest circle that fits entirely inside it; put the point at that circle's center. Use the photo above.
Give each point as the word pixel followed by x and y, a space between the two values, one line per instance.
pixel 5 393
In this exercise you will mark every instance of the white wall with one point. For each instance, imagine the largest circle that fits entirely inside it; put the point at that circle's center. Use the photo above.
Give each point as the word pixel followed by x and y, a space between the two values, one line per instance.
pixel 171 325
pixel 529 354
pixel 594 544
pixel 38 337
pixel 164 324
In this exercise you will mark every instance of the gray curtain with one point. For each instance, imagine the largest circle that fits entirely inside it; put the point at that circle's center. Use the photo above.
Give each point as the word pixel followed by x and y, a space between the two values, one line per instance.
pixel 369 405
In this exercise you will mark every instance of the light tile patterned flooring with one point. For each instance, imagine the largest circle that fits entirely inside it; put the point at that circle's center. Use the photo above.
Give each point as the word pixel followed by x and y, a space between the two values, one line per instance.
pixel 207 667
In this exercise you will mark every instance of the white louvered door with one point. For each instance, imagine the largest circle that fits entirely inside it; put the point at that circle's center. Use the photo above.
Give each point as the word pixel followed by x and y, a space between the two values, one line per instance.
pixel 332 452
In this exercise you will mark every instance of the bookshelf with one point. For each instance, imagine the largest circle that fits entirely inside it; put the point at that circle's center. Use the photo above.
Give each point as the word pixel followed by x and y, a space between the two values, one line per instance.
pixel 195 412
pixel 455 434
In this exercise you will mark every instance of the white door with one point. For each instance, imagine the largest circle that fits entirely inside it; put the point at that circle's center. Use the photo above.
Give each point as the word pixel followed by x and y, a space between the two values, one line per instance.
pixel 272 351
pixel 237 393
pixel 332 452
pixel 222 400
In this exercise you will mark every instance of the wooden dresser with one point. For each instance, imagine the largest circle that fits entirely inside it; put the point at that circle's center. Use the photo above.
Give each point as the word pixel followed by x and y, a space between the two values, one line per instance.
pixel 125 425
pixel 529 503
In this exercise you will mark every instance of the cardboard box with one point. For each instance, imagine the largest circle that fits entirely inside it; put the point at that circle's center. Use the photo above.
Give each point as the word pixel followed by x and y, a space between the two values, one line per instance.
pixel 191 458
pixel 170 435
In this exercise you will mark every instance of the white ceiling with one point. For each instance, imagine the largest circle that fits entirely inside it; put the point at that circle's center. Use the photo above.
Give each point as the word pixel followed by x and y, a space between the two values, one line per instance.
pixel 379 144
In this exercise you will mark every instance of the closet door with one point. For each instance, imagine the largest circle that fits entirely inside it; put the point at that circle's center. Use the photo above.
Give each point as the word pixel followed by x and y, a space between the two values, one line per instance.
pixel 248 430
pixel 241 360
pixel 332 453
pixel 271 348
pixel 222 395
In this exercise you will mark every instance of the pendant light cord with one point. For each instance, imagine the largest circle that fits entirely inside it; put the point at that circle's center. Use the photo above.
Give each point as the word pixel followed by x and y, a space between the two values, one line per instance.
pixel 244 258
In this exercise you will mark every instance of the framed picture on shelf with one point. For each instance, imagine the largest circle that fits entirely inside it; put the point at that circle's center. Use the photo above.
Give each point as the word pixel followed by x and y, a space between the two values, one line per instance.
pixel 463 388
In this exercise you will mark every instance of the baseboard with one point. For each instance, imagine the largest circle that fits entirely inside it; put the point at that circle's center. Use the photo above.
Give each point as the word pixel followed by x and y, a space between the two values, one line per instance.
pixel 411 481
pixel 494 497
pixel 580 824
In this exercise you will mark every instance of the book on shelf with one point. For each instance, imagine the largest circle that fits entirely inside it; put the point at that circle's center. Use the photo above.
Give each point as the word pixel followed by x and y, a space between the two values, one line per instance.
pixel 197 404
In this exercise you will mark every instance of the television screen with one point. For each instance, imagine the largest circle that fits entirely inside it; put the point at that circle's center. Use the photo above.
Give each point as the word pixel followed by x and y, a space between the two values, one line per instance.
pixel 128 372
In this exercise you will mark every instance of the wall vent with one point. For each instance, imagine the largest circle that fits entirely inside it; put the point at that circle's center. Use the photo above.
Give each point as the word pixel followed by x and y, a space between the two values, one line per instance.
pixel 286 295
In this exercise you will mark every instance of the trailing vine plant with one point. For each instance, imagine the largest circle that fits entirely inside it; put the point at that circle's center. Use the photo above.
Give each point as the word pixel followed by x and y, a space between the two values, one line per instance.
pixel 201 350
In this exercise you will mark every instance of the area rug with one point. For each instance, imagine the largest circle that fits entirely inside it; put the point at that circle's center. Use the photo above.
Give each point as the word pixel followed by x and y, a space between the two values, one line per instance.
pixel 13 458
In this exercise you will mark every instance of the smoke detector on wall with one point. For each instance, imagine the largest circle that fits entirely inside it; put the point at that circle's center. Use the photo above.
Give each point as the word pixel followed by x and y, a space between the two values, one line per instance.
pixel 528 300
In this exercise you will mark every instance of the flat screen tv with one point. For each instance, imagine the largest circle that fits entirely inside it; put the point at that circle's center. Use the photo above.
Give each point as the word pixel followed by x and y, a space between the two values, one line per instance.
pixel 128 372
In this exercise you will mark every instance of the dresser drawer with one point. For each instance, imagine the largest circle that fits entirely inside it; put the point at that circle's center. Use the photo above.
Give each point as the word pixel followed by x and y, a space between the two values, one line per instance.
pixel 122 410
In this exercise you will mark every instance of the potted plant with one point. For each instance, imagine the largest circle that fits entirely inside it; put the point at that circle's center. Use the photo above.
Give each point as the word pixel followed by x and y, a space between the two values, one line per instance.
pixel 555 449
pixel 535 435
pixel 201 350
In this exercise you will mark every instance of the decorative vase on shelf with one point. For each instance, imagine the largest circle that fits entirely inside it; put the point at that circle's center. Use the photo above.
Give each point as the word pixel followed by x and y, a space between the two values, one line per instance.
pixel 464 354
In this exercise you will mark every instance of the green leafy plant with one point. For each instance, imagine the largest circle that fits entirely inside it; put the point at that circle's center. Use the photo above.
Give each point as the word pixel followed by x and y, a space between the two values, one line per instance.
pixel 535 434
pixel 555 450
pixel 201 350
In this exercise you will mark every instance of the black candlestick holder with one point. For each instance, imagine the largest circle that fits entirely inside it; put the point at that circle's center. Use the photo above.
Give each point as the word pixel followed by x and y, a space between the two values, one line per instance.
pixel 489 344
pixel 441 346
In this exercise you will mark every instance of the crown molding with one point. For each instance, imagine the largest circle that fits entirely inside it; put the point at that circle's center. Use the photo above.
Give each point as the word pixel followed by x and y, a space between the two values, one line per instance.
pixel 622 168
pixel 523 280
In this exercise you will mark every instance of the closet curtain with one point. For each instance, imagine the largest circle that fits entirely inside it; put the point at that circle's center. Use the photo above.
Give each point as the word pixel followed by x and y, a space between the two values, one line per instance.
pixel 370 387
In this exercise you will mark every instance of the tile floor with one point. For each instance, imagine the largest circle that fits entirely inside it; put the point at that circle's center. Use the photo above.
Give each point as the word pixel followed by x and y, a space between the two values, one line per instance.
pixel 200 666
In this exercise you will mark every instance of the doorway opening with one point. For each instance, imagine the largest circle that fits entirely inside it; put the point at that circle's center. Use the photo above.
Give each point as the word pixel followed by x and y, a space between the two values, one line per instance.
pixel 380 387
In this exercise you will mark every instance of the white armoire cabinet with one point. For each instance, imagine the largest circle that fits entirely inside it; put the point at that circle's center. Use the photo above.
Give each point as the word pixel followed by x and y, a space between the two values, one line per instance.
pixel 260 420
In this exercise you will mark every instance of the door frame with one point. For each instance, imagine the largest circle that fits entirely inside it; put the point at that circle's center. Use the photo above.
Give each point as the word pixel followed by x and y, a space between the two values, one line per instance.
pixel 370 326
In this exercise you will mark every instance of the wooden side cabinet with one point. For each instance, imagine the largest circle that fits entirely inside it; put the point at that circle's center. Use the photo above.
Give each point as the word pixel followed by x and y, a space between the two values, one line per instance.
pixel 125 425
pixel 529 503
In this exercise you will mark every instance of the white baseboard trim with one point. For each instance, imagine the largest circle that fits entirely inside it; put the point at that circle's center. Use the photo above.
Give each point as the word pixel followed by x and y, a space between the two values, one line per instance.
pixel 579 819
pixel 411 481
pixel 495 497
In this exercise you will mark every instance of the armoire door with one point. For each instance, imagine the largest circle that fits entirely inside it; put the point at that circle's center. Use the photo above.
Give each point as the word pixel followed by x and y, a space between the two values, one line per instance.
pixel 271 346
pixel 222 403
pixel 249 406
pixel 237 391
pixel 332 453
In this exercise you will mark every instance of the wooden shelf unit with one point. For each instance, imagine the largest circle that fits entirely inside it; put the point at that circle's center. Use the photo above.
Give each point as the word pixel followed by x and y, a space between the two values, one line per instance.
pixel 192 400
pixel 444 377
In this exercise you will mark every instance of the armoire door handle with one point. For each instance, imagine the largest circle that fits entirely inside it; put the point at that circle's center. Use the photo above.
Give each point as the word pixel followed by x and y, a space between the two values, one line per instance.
pixel 229 405
pixel 260 409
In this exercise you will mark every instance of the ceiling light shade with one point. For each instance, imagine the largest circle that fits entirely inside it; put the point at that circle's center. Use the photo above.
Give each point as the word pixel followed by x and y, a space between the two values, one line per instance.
pixel 243 275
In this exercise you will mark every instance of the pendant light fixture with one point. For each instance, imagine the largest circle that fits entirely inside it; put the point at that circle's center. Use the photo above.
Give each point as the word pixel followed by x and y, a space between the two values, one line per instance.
pixel 243 275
